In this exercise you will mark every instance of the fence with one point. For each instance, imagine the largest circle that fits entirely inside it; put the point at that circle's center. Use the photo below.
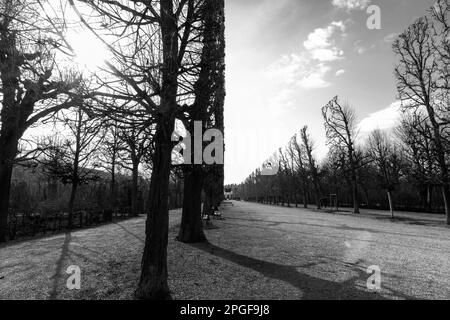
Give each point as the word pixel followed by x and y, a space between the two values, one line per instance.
pixel 26 224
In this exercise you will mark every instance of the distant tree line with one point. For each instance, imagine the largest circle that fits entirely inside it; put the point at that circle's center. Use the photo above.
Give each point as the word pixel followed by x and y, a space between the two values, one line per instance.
pixel 406 168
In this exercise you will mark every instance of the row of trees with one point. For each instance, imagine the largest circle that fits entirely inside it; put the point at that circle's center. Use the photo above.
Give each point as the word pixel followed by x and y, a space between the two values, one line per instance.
pixel 166 64
pixel 411 159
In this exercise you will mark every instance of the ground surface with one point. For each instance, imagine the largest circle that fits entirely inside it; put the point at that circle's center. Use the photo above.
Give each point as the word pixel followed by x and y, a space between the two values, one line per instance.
pixel 258 252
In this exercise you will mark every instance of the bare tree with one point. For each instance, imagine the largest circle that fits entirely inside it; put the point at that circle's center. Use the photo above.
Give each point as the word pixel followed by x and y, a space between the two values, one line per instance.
pixel 138 144
pixel 440 14
pixel 112 149
pixel 418 83
pixel 284 176
pixel 301 172
pixel 340 127
pixel 388 161
pixel 415 133
pixel 73 159
pixel 308 146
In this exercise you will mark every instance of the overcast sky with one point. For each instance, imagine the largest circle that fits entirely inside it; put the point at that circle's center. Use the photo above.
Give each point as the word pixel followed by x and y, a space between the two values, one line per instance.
pixel 287 58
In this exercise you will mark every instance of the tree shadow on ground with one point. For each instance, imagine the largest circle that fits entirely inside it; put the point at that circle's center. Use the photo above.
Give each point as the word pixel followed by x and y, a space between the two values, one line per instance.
pixel 130 233
pixel 342 227
pixel 59 266
pixel 339 237
pixel 312 288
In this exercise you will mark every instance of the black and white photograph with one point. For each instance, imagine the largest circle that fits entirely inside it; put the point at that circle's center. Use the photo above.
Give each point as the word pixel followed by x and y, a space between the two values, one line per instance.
pixel 223 155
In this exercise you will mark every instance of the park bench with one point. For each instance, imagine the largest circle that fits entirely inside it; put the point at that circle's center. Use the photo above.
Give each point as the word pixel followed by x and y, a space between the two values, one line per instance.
pixel 217 214
pixel 207 219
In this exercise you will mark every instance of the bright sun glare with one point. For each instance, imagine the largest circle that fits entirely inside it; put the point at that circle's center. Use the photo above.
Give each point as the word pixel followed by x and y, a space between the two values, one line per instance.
pixel 90 52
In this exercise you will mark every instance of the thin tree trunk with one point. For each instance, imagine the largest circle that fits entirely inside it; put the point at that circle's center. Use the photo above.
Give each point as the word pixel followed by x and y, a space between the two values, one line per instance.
pixel 446 196
pixel 134 189
pixel 191 228
pixel 113 184
pixel 316 193
pixel 428 203
pixel 73 193
pixel 366 195
pixel 76 166
pixel 391 204
pixel 355 197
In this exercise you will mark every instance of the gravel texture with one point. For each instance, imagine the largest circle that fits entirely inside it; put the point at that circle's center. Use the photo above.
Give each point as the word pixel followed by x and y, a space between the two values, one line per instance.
pixel 257 252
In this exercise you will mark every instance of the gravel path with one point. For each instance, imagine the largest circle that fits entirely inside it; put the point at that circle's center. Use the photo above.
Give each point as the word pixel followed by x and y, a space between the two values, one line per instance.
pixel 258 252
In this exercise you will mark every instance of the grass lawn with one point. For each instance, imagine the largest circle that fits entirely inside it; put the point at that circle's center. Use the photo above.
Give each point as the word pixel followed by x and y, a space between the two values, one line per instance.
pixel 258 252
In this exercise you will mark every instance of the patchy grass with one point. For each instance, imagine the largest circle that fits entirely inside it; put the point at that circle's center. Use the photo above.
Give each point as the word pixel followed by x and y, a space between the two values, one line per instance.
pixel 258 252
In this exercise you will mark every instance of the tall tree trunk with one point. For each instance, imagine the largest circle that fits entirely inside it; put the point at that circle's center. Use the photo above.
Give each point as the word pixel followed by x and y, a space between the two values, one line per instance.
pixel 191 228
pixel 9 140
pixel 354 185
pixel 354 180
pixel 153 280
pixel 209 87
pixel 6 169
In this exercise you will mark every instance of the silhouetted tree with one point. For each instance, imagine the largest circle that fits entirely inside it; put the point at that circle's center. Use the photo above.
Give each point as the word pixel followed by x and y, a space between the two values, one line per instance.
pixel 309 147
pixel 388 161
pixel 340 127
pixel 419 84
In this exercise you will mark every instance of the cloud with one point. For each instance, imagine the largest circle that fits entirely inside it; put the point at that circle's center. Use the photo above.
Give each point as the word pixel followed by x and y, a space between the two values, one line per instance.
pixel 320 42
pixel 351 4
pixel 327 54
pixel 308 68
pixel 299 70
pixel 340 72
pixel 287 69
pixel 390 37
pixel 361 49
pixel 316 78
pixel 385 119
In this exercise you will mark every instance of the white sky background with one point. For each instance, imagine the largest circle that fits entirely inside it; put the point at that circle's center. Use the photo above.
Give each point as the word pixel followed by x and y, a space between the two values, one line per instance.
pixel 287 58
